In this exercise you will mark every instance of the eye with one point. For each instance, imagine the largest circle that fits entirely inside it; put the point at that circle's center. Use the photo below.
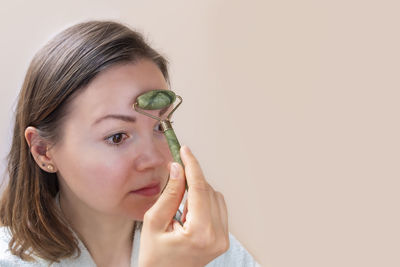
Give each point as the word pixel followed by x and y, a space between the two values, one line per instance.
pixel 158 127
pixel 116 139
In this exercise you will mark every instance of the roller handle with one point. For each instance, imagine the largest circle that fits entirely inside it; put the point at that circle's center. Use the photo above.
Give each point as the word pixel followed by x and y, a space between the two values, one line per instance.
pixel 174 147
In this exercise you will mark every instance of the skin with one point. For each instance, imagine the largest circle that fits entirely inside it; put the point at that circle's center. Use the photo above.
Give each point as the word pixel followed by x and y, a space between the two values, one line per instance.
pixel 100 163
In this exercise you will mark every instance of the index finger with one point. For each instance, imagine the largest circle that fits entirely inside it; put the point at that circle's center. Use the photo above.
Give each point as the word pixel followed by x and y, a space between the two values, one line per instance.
pixel 199 191
pixel 194 174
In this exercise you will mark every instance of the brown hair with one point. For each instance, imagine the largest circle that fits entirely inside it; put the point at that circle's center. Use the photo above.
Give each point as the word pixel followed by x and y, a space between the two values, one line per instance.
pixel 60 69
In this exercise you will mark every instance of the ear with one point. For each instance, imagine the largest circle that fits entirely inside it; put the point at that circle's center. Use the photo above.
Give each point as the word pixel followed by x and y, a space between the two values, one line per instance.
pixel 39 148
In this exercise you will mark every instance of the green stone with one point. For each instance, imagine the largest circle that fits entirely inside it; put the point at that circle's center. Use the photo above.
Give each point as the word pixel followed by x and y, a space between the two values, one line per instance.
pixel 156 99
pixel 174 147
pixel 159 99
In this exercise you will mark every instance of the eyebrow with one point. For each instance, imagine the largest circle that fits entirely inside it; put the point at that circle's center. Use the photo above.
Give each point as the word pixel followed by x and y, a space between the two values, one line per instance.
pixel 125 118
pixel 117 117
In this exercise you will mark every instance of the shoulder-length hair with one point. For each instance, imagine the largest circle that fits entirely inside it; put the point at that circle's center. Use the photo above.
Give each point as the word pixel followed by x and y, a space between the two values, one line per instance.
pixel 62 67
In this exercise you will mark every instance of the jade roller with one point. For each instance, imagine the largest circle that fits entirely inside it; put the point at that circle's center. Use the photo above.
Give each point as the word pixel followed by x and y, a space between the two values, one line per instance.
pixel 162 99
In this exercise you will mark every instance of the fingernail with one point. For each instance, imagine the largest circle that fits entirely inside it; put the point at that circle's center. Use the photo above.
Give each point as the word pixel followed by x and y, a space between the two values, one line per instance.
pixel 174 170
pixel 186 149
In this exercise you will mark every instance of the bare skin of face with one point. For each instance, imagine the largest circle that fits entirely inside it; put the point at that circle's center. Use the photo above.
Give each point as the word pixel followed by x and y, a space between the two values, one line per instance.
pixel 107 152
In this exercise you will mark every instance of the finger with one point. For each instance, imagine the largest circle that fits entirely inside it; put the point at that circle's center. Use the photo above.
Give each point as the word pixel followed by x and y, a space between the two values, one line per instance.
pixel 222 225
pixel 223 212
pixel 161 214
pixel 200 193
pixel 185 210
pixel 192 168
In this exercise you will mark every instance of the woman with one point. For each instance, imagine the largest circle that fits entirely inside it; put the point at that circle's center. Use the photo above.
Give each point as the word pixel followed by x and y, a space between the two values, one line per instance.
pixel 81 156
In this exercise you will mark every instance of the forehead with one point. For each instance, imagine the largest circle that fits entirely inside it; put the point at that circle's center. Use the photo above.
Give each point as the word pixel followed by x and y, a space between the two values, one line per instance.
pixel 116 88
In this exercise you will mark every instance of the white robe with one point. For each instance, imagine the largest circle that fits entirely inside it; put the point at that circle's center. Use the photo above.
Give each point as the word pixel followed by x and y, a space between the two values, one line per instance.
pixel 236 256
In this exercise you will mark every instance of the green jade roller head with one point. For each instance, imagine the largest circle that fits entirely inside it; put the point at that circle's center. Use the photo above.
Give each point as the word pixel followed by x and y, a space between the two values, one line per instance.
pixel 161 99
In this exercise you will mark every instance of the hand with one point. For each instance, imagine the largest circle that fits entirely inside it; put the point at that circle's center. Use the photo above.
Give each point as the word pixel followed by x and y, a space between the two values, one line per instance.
pixel 204 234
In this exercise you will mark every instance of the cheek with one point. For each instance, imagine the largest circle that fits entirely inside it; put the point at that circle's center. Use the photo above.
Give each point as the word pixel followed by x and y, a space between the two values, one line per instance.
pixel 95 177
pixel 107 172
pixel 164 148
pixel 101 177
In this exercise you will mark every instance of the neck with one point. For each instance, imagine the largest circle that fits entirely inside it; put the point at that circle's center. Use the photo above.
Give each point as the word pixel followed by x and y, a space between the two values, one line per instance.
pixel 108 238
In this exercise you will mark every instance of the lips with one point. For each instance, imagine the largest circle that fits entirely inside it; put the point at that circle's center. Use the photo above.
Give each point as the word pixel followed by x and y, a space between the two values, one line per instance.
pixel 148 190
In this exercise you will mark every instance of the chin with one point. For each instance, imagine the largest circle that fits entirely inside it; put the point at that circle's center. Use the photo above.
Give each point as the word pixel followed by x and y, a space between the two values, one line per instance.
pixel 136 212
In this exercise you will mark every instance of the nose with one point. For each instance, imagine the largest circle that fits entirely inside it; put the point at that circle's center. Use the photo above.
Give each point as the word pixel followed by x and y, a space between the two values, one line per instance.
pixel 150 154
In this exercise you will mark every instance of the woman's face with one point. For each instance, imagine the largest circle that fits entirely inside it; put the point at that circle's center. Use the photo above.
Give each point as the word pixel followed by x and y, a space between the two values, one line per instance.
pixel 108 149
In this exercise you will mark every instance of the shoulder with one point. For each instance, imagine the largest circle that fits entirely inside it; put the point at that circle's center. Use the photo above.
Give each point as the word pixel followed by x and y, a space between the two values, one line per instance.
pixel 6 258
pixel 236 255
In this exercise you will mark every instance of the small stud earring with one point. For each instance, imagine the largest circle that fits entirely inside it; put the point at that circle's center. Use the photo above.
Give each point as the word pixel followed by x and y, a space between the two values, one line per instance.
pixel 50 167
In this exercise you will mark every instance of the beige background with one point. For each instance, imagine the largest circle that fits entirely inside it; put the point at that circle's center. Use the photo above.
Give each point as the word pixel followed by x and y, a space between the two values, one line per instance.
pixel 292 108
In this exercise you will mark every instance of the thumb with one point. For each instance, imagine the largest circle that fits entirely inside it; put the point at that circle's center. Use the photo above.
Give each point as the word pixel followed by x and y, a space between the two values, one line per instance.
pixel 161 214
